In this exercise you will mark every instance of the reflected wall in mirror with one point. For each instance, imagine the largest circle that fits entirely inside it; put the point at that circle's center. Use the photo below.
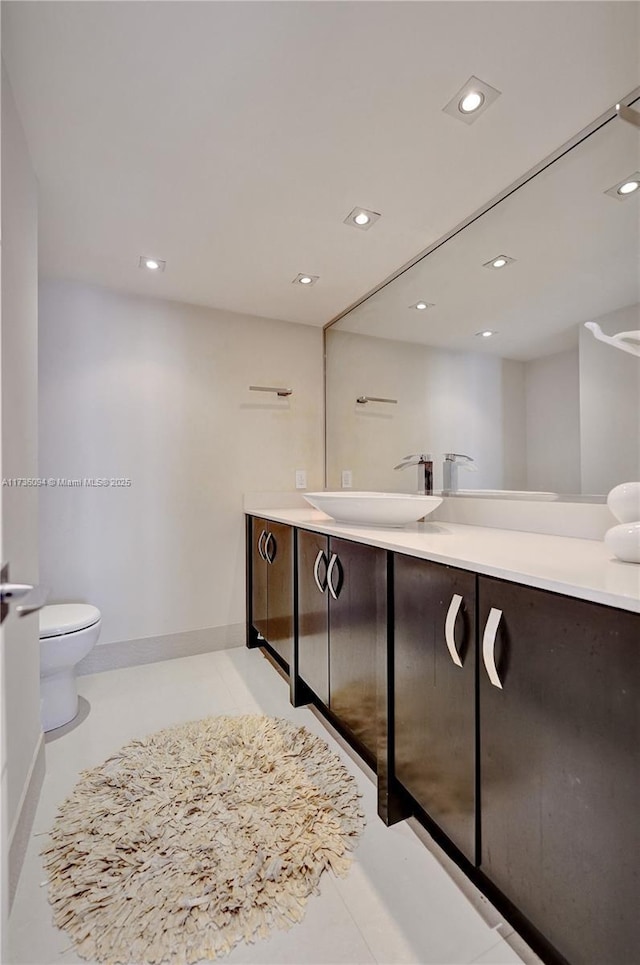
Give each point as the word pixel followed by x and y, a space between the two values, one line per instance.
pixel 540 405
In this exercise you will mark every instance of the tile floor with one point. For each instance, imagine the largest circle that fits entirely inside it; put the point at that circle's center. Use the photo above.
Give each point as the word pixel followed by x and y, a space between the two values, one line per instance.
pixel 402 901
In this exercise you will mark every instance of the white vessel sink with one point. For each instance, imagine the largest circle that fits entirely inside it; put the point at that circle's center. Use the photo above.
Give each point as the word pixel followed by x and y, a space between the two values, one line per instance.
pixel 374 509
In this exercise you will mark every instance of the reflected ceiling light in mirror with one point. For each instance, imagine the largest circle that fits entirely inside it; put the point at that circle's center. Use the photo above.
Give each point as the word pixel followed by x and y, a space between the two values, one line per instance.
pixel 486 334
pixel 362 218
pixel 472 100
pixel 305 280
pixel 421 306
pixel 625 188
pixel 151 264
pixel 500 261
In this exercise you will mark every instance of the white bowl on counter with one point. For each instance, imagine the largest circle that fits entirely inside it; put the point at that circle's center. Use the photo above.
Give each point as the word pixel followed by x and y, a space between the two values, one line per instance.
pixel 624 502
pixel 624 541
pixel 374 509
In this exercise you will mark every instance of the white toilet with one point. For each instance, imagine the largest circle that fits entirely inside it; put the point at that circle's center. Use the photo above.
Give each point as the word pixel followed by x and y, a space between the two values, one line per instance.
pixel 68 631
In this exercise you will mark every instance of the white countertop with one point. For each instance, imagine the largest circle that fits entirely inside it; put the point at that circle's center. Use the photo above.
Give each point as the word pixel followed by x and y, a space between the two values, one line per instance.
pixel 582 568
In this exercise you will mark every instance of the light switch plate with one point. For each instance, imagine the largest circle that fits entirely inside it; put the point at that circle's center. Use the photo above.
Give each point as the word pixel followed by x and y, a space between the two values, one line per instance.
pixel 301 478
pixel 347 479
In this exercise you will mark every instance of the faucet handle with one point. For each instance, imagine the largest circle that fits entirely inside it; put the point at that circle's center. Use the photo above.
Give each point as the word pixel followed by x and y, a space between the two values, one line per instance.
pixel 414 459
pixel 457 457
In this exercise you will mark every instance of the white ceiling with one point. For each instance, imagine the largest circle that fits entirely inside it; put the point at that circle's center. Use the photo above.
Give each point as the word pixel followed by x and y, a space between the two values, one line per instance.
pixel 232 138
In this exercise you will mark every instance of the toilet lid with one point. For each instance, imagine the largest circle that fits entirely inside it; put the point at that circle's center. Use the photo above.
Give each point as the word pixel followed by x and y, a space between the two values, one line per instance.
pixel 66 617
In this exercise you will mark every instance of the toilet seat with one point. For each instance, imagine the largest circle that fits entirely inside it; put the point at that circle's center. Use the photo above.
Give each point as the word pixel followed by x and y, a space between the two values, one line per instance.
pixel 62 618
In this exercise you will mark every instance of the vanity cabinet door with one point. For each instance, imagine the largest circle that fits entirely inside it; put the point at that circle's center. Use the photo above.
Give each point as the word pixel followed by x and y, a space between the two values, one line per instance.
pixel 272 603
pixel 560 775
pixel 259 566
pixel 313 614
pixel 278 548
pixel 435 693
pixel 357 589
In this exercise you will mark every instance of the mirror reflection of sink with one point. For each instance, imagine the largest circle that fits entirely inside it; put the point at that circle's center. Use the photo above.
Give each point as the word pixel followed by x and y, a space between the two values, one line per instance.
pixel 374 509
pixel 508 494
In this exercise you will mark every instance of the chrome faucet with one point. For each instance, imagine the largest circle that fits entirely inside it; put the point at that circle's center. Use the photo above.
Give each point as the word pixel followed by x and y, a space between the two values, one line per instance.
pixel 425 471
pixel 450 471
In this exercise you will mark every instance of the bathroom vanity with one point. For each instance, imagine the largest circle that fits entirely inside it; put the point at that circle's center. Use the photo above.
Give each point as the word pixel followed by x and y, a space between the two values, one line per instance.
pixel 492 679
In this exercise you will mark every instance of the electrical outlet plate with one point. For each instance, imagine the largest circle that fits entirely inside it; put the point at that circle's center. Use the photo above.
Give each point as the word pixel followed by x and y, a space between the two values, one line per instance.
pixel 301 478
pixel 347 479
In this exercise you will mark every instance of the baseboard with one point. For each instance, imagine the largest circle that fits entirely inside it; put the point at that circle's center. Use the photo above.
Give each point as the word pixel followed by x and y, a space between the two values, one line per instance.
pixel 21 831
pixel 132 653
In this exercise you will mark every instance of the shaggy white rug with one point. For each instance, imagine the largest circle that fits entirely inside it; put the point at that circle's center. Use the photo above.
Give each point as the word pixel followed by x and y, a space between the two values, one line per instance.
pixel 188 841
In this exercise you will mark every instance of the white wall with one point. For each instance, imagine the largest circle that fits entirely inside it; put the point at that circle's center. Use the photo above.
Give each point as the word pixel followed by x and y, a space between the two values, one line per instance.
pixel 447 402
pixel 158 392
pixel 21 698
pixel 609 405
pixel 553 423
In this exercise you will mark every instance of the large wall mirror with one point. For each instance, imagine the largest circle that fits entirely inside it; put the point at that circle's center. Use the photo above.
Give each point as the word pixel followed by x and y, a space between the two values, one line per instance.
pixel 540 405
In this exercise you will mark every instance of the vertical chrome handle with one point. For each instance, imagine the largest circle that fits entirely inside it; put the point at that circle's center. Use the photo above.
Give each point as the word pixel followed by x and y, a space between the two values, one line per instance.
pixel 316 571
pixel 449 628
pixel 489 646
pixel 268 540
pixel 330 568
pixel 260 547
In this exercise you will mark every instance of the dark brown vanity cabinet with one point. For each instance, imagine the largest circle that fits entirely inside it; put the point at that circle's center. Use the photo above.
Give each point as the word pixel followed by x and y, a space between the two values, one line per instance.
pixel 272 586
pixel 434 693
pixel 560 767
pixel 342 607
pixel 509 714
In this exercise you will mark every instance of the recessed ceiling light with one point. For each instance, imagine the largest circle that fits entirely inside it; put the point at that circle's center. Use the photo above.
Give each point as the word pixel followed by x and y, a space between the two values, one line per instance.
pixel 151 264
pixel 486 334
pixel 472 100
pixel 421 305
pixel 362 218
pixel 625 188
pixel 500 261
pixel 304 279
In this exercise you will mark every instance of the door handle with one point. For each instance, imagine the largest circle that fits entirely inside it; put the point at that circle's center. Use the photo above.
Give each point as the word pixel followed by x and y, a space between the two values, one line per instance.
pixel 333 562
pixel 270 539
pixel 260 548
pixel 449 628
pixel 316 571
pixel 489 646
pixel 33 601
pixel 33 597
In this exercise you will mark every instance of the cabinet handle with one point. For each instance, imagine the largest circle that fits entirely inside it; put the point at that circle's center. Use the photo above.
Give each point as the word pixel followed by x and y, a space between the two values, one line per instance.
pixel 332 563
pixel 268 540
pixel 489 646
pixel 316 571
pixel 449 628
pixel 260 547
